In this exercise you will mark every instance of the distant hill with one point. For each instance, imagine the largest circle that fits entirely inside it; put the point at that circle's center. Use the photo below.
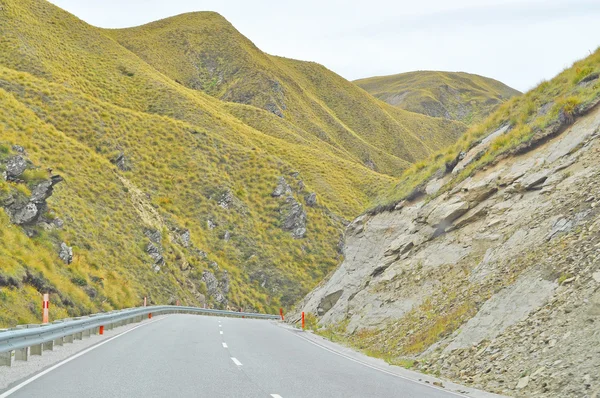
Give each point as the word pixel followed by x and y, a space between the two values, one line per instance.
pixel 460 96
pixel 204 52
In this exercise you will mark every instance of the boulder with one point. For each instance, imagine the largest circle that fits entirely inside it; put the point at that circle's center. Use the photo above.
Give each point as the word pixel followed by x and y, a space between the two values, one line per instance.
pixel 66 253
pixel 15 166
pixel 24 215
pixel 328 302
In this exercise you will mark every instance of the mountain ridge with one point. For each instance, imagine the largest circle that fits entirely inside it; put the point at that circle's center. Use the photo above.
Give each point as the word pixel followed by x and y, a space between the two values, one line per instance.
pixel 461 96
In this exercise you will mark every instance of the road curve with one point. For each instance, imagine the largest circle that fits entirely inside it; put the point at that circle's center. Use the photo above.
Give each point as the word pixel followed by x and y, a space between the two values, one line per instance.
pixel 200 356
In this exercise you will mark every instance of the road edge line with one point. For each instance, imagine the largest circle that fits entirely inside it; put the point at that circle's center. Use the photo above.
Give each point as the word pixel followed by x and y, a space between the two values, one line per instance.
pixel 377 368
pixel 69 359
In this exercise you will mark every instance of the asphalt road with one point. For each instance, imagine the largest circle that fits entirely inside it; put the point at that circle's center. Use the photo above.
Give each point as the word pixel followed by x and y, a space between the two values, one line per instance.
pixel 200 356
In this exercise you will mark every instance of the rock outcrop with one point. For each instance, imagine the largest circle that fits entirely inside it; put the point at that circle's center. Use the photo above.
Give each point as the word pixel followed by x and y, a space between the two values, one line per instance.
pixel 494 282
pixel 293 215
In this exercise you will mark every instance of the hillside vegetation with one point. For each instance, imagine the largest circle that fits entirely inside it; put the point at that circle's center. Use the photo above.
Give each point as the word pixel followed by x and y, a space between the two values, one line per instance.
pixel 460 96
pixel 176 188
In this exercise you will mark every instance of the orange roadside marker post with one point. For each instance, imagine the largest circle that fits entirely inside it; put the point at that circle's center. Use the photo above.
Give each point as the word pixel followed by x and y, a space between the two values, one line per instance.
pixel 45 308
pixel 302 320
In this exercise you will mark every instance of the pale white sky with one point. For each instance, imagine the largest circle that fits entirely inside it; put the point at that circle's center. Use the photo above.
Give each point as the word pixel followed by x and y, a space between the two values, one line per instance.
pixel 517 42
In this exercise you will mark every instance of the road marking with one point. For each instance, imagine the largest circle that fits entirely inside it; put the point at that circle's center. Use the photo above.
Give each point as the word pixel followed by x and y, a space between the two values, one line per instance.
pixel 276 396
pixel 238 363
pixel 220 326
pixel 224 345
pixel 376 368
pixel 37 376
pixel 221 332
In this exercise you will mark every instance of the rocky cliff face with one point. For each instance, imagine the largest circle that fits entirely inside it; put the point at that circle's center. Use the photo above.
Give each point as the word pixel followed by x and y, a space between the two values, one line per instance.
pixel 495 282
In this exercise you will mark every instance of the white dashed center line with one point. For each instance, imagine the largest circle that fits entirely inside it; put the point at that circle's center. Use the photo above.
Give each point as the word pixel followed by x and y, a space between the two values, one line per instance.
pixel 221 332
pixel 238 363
pixel 276 396
pixel 224 345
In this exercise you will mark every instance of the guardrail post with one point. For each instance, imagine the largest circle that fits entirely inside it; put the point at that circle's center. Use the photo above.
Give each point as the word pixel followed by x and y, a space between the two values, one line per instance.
pixel 68 338
pixel 86 333
pixel 78 336
pixel 22 354
pixel 48 345
pixel 7 358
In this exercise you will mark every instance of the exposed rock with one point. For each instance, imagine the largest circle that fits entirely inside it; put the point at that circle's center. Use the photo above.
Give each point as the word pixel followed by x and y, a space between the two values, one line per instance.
pixel 294 217
pixel 44 190
pixel 19 149
pixel 311 199
pixel 15 166
pixel 122 162
pixel 183 237
pixel 214 287
pixel 329 301
pixel 282 188
pixel 226 199
pixel 58 223
pixel 154 235
pixel 227 236
pixel 66 253
pixel 523 382
pixel 596 276
pixel 156 253
pixel 24 215
pixel 211 224
pixel 446 212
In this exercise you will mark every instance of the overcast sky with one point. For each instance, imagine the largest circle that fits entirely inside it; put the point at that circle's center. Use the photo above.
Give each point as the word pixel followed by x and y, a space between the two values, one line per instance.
pixel 517 42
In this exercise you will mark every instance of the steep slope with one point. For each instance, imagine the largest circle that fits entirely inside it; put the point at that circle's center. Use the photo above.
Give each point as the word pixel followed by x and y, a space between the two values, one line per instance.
pixel 204 52
pixel 458 96
pixel 482 265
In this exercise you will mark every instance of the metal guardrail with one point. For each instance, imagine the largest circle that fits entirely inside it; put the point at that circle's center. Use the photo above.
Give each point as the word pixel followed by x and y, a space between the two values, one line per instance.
pixel 24 340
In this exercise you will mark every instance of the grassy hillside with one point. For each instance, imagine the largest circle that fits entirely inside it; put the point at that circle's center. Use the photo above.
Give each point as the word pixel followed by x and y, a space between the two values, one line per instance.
pixel 457 96
pixel 532 118
pixel 204 52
